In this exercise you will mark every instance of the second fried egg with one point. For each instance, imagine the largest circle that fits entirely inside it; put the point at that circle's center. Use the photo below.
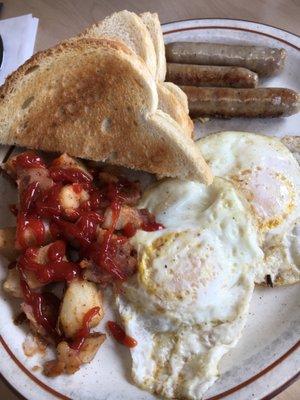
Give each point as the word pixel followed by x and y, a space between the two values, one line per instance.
pixel 268 176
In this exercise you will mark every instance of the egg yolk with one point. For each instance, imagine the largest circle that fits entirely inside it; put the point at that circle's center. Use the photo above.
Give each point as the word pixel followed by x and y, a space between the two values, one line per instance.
pixel 271 195
pixel 175 265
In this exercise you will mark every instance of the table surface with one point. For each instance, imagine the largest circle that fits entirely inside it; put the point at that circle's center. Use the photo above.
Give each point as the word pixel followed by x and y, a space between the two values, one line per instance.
pixel 59 19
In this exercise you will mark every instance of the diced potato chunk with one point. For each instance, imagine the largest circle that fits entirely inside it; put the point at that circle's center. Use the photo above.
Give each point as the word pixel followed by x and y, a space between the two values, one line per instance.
pixel 127 215
pixel 70 199
pixel 91 346
pixel 42 254
pixel 30 238
pixel 80 297
pixel 65 161
pixel 12 283
pixel 69 361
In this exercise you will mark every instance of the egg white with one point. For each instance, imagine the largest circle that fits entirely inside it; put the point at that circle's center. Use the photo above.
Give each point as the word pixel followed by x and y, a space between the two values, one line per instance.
pixel 187 304
pixel 268 176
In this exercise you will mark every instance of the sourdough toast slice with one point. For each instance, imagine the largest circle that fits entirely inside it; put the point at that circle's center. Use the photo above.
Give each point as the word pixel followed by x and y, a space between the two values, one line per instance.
pixel 170 101
pixel 95 99
pixel 170 104
pixel 152 23
pixel 127 27
pixel 179 93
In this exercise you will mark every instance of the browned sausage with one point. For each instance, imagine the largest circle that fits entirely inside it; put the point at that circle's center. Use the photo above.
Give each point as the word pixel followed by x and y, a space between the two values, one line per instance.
pixel 265 61
pixel 207 76
pixel 227 102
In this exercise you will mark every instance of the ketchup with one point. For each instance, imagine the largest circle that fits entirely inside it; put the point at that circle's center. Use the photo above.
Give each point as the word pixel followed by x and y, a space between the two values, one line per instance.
pixel 28 196
pixel 83 231
pixel 84 331
pixel 107 249
pixel 151 226
pixel 29 159
pixel 31 225
pixel 48 206
pixel 40 206
pixel 57 251
pixel 120 335
pixel 129 230
pixel 67 175
pixel 45 308
pixel 55 270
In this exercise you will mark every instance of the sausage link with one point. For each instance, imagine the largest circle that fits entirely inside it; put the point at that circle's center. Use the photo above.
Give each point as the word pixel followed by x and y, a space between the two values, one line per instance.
pixel 252 103
pixel 208 76
pixel 265 61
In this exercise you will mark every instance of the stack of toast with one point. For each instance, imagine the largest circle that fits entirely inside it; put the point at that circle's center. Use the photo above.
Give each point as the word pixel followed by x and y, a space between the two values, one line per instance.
pixel 102 96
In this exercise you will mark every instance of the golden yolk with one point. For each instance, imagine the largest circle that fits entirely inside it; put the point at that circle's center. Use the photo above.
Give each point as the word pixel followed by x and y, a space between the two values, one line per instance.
pixel 271 195
pixel 175 265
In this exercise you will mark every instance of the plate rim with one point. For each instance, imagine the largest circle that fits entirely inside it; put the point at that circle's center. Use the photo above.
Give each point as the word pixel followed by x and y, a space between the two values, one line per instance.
pixel 279 360
pixel 229 19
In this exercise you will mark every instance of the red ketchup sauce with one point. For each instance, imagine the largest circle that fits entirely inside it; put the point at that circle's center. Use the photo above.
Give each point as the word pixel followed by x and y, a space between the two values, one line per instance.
pixel 26 220
pixel 45 308
pixel 40 208
pixel 120 335
pixel 107 249
pixel 29 159
pixel 69 175
pixel 151 226
pixel 105 254
pixel 55 270
pixel 47 205
pixel 84 331
pixel 82 232
pixel 129 230
pixel 32 225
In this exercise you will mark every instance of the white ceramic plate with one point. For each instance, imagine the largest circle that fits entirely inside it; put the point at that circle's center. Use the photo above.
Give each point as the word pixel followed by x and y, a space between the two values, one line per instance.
pixel 267 358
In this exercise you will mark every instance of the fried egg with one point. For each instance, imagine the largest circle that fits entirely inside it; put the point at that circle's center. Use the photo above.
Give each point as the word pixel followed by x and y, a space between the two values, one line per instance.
pixel 186 306
pixel 268 176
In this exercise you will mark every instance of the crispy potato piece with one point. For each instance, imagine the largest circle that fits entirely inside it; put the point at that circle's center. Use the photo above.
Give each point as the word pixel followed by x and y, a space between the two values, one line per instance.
pixel 7 243
pixel 79 298
pixel 42 254
pixel 12 282
pixel 11 285
pixel 40 175
pixel 30 239
pixel 69 361
pixel 127 215
pixel 65 161
pixel 91 346
pixel 33 345
pixel 24 177
pixel 34 326
pixel 70 199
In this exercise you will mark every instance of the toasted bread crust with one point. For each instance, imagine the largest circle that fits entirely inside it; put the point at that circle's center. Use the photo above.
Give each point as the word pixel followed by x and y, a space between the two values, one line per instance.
pixel 152 23
pixel 170 104
pixel 128 28
pixel 181 96
pixel 95 99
